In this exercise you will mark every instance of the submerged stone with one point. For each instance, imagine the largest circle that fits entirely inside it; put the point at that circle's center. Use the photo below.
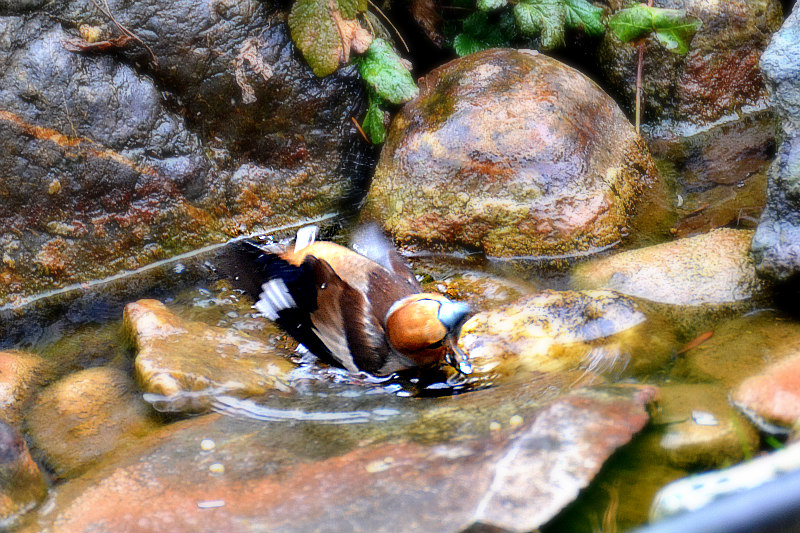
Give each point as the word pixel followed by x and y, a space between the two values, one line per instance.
pixel 700 427
pixel 185 363
pixel 22 485
pixel 512 153
pixel 741 348
pixel 20 376
pixel 310 476
pixel 480 290
pixel 85 416
pixel 693 281
pixel 596 331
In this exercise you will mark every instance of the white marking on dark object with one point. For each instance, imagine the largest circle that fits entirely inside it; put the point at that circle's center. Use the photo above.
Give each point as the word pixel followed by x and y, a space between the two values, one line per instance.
pixel 305 236
pixel 274 298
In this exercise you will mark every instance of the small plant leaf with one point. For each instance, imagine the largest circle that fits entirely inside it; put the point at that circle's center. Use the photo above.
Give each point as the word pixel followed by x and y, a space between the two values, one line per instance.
pixel 583 14
pixel 325 30
pixel 315 33
pixel 542 17
pixel 490 5
pixel 478 34
pixel 384 72
pixel 351 8
pixel 374 124
pixel 675 30
pixel 672 27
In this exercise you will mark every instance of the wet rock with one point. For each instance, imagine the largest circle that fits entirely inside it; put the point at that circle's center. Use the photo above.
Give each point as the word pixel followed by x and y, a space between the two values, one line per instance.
pixel 701 429
pixel 85 416
pixel 693 280
pixel 706 115
pixel 780 66
pixel 741 348
pixel 22 485
pixel 480 290
pixel 775 243
pixel 772 398
pixel 512 153
pixel 187 363
pixel 719 76
pixel 597 331
pixel 110 163
pixel 358 477
pixel 19 377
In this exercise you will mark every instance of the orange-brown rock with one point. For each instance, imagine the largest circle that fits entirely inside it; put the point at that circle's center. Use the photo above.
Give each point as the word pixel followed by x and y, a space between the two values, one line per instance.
pixel 86 415
pixel 18 379
pixel 512 153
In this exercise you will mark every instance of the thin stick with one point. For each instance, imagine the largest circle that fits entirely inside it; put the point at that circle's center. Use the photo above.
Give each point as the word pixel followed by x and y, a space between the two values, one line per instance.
pixel 358 127
pixel 126 31
pixel 639 87
pixel 639 68
pixel 390 24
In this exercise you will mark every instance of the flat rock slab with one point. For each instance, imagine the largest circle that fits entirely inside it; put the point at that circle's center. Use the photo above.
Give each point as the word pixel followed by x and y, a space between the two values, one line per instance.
pixel 176 357
pixel 361 478
pixel 713 268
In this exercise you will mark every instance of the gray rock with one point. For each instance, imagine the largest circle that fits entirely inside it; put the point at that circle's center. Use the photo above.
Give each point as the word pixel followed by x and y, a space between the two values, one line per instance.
pixel 780 65
pixel 112 162
pixel 776 243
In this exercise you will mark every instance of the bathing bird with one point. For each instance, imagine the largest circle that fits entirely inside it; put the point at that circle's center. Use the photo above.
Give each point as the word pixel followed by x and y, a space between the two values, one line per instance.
pixel 361 309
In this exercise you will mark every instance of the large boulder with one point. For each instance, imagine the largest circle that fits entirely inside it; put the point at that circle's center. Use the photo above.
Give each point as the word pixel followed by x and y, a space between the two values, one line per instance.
pixel 776 243
pixel 112 162
pixel 512 153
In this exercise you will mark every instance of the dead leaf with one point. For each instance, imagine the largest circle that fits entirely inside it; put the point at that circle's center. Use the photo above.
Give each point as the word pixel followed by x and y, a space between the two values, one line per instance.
pixel 426 15
pixel 353 36
pixel 77 44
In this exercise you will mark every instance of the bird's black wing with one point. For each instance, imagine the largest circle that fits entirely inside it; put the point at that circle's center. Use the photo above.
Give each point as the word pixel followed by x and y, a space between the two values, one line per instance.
pixel 285 293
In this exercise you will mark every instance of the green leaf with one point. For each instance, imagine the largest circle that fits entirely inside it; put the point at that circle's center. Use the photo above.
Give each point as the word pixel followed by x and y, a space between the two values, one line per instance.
pixel 582 14
pixel 384 72
pixel 672 27
pixel 315 33
pixel 490 5
pixel 542 17
pixel 478 34
pixel 351 8
pixel 373 124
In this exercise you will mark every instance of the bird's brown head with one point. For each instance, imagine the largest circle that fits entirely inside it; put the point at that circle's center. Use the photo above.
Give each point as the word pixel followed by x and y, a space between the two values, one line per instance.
pixel 424 327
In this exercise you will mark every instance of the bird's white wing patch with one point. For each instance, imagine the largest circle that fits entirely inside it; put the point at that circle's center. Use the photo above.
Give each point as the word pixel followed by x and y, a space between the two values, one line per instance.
pixel 305 236
pixel 274 298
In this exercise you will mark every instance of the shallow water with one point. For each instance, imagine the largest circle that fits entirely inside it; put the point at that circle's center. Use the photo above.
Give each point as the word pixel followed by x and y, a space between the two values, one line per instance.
pixel 85 332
